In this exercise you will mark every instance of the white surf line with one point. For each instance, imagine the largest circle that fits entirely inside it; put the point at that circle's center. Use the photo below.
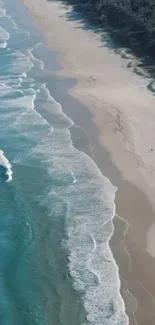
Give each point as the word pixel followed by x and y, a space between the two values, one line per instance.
pixel 148 292
pixel 74 178
pixel 30 51
pixel 46 122
pixel 15 26
pixel 123 241
pixel 5 163
pixel 135 300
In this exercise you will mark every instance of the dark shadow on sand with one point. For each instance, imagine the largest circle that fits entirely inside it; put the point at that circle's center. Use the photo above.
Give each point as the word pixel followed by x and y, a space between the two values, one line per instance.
pixel 112 39
pixel 85 138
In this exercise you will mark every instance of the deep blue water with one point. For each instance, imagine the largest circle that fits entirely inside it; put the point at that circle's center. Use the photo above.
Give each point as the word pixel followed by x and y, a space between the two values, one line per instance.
pixel 56 208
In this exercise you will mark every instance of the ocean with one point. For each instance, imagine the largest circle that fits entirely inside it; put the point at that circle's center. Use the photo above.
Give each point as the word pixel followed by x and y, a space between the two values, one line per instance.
pixel 56 208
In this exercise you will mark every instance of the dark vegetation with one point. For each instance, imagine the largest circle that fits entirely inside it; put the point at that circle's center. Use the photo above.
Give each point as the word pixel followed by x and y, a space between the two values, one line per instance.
pixel 131 22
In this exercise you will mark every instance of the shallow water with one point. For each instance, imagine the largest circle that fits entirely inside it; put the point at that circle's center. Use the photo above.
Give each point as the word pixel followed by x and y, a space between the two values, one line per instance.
pixel 56 207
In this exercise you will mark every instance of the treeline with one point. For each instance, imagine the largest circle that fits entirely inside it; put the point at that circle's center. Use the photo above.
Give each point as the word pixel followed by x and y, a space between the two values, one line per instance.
pixel 132 21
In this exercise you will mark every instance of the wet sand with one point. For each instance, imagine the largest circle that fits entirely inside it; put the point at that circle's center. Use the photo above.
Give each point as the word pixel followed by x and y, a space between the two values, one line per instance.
pixel 116 110
pixel 129 243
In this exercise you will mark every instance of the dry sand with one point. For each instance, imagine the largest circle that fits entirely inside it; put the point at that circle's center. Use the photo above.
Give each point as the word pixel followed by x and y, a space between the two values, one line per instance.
pixel 124 111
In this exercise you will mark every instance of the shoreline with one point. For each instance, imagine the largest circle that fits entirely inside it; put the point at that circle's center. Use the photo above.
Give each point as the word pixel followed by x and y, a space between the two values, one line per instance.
pixel 129 196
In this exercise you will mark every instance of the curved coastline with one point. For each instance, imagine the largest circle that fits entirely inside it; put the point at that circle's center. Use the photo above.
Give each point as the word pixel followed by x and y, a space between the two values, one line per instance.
pixel 125 189
pixel 115 307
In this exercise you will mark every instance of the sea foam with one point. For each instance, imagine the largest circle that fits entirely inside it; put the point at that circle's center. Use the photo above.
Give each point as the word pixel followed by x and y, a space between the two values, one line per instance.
pixel 4 36
pixel 88 196
pixel 6 164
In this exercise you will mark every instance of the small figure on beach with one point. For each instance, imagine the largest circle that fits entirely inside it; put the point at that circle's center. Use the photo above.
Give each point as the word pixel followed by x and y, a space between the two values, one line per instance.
pixel 91 78
pixel 149 150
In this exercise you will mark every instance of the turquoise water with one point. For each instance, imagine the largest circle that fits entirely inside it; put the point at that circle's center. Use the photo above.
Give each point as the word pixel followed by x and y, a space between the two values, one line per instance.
pixel 56 208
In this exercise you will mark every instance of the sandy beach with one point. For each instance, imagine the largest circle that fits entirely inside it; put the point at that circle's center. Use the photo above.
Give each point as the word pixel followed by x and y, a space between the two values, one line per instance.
pixel 122 110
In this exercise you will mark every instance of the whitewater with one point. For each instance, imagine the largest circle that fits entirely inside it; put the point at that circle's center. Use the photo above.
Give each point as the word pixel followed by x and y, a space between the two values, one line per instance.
pixel 56 207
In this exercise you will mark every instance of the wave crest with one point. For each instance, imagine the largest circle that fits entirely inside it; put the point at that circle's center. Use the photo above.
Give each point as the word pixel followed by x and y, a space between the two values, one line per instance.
pixel 6 164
